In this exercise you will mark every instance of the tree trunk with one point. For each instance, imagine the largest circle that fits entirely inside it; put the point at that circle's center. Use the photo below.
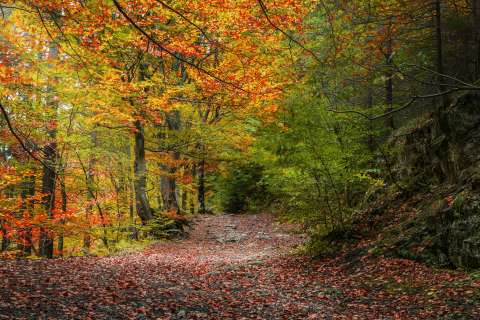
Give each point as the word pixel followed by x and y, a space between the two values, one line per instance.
pixel 48 201
pixel 476 36
pixel 140 175
pixel 63 192
pixel 168 188
pixel 201 188
pixel 90 180
pixel 184 199
pixel 389 121
pixel 168 184
pixel 5 240
pixel 192 196
pixel 28 190
pixel 133 227
pixel 49 177
pixel 439 48
pixel 370 101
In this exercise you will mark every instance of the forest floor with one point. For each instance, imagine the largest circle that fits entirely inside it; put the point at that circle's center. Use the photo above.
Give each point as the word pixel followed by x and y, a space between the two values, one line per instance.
pixel 233 267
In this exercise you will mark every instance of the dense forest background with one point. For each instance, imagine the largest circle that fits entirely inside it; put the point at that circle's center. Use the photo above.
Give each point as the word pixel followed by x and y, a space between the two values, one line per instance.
pixel 121 120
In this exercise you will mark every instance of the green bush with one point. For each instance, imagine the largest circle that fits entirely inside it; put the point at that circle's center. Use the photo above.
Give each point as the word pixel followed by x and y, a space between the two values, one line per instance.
pixel 164 227
pixel 240 188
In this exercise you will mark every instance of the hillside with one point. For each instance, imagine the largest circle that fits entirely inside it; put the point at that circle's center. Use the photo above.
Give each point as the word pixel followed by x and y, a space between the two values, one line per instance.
pixel 435 217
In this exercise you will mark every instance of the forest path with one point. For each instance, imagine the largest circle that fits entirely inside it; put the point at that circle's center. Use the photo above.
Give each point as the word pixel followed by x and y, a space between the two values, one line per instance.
pixel 231 267
pixel 204 276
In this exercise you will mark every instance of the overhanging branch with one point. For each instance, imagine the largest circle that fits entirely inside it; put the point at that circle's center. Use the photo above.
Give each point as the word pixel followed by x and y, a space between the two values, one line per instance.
pixel 405 106
pixel 265 13
pixel 19 140
pixel 173 54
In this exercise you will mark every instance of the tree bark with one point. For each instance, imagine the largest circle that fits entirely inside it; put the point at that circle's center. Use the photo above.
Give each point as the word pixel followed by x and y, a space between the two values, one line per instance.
pixel 184 199
pixel 5 240
pixel 439 48
pixel 201 188
pixel 192 196
pixel 389 121
pixel 168 188
pixel 49 176
pixel 476 36
pixel 63 192
pixel 140 175
pixel 131 206
pixel 48 200
pixel 168 184
pixel 90 180
pixel 28 190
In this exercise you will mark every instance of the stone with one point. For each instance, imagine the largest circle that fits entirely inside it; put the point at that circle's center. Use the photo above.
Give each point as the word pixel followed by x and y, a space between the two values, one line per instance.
pixel 232 237
pixel 263 236
pixel 443 153
pixel 182 313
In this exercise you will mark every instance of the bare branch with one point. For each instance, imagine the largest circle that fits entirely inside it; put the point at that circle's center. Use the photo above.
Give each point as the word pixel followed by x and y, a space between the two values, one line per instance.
pixel 405 106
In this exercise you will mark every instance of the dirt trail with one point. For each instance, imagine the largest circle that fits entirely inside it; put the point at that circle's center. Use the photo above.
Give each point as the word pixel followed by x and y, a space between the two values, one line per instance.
pixel 184 279
pixel 232 267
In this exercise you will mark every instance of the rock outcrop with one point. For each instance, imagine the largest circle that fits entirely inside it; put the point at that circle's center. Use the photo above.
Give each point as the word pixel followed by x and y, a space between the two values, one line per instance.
pixel 441 158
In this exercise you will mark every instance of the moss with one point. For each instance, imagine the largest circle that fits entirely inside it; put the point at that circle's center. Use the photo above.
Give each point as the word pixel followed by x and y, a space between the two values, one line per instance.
pixel 126 246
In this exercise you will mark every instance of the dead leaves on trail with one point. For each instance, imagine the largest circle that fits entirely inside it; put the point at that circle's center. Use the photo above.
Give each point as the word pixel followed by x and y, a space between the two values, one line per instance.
pixel 246 276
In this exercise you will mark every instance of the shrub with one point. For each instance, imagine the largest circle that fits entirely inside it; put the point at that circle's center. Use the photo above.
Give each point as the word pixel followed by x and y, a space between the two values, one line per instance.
pixel 240 188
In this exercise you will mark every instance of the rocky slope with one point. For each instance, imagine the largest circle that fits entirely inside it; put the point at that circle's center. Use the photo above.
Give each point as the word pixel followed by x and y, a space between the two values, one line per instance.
pixel 437 217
